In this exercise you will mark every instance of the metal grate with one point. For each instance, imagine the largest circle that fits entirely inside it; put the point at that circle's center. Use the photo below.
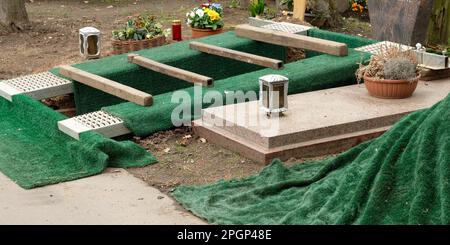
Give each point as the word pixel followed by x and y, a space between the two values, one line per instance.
pixel 376 48
pixel 287 27
pixel 36 82
pixel 98 119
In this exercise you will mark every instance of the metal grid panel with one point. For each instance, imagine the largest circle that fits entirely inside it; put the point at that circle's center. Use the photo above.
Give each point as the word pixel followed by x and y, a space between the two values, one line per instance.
pixel 36 82
pixel 98 119
pixel 376 48
pixel 286 27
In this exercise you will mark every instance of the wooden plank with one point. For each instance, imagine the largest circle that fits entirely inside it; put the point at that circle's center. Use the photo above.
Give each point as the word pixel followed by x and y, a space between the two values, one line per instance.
pixel 292 40
pixel 170 70
pixel 107 86
pixel 430 75
pixel 299 9
pixel 237 55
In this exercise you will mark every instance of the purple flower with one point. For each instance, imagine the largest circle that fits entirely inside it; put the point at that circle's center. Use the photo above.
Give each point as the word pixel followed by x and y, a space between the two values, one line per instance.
pixel 217 5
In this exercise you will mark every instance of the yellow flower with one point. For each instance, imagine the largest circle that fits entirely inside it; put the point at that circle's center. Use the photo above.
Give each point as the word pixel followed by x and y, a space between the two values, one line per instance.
pixel 213 15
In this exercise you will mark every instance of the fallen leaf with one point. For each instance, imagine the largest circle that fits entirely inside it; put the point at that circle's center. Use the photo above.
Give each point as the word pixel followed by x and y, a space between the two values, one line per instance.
pixel 182 142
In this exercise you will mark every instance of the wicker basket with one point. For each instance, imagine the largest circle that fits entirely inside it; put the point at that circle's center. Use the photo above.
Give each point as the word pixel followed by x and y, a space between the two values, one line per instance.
pixel 121 46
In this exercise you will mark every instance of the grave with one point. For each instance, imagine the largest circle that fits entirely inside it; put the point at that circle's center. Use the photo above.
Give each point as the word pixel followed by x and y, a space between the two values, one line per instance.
pixel 317 123
pixel 132 94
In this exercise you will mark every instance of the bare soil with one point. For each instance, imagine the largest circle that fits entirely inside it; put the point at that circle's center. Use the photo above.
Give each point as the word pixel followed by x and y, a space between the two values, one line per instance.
pixel 185 158
pixel 52 38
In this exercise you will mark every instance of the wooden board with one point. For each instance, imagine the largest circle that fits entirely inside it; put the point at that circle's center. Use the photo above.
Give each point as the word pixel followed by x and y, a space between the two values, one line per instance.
pixel 237 55
pixel 170 70
pixel 107 86
pixel 401 21
pixel 429 75
pixel 292 40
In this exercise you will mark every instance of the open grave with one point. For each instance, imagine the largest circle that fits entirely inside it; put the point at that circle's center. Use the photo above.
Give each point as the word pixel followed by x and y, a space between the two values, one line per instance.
pixel 133 93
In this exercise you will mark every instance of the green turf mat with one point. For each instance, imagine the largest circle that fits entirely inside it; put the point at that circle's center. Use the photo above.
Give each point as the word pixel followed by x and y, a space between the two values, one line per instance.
pixel 117 68
pixel 319 72
pixel 351 41
pixel 33 152
pixel 402 177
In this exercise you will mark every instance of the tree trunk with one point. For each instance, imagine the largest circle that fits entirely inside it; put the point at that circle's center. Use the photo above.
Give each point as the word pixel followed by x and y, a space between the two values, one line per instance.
pixel 13 14
pixel 439 30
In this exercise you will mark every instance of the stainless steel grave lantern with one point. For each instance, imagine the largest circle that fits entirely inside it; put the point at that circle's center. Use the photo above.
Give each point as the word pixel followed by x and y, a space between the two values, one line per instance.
pixel 90 43
pixel 273 91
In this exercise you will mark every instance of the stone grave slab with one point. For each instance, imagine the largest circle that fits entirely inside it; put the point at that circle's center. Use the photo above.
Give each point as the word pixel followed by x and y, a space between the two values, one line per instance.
pixel 317 123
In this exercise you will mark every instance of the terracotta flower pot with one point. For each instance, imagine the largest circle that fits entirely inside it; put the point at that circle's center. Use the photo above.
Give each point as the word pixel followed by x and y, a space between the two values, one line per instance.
pixel 390 89
pixel 197 33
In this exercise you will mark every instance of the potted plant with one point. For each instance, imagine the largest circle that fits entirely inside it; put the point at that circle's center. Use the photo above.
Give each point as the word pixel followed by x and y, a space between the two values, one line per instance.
pixel 391 74
pixel 205 20
pixel 141 32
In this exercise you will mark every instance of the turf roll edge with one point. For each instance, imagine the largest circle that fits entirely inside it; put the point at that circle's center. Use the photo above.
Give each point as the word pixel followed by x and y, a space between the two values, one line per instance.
pixel 402 177
pixel 33 152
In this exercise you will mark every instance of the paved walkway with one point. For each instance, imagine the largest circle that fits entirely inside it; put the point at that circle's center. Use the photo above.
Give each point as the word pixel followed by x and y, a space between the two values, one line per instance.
pixel 114 197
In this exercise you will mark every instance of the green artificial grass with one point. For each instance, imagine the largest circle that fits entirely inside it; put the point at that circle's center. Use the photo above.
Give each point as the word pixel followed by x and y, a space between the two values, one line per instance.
pixel 318 72
pixel 33 152
pixel 117 68
pixel 402 177
pixel 351 41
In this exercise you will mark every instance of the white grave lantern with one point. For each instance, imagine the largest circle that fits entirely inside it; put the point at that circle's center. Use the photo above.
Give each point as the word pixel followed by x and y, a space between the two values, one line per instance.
pixel 273 91
pixel 90 43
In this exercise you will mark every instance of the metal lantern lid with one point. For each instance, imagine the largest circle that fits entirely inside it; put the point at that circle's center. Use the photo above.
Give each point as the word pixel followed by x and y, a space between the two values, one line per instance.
pixel 273 78
pixel 90 30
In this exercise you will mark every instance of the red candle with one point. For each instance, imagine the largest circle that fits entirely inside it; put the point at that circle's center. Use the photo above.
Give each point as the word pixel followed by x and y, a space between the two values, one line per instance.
pixel 176 30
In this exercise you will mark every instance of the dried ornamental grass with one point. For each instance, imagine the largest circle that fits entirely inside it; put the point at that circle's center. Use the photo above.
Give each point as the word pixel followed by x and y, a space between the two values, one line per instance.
pixel 375 68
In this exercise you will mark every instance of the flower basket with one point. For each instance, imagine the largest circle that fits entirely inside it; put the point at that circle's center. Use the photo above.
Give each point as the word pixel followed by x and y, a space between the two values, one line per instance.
pixel 125 46
pixel 141 32
pixel 197 33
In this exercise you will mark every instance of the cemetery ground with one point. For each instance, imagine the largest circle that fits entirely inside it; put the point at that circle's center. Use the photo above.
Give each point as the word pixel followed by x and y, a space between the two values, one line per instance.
pixel 52 40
